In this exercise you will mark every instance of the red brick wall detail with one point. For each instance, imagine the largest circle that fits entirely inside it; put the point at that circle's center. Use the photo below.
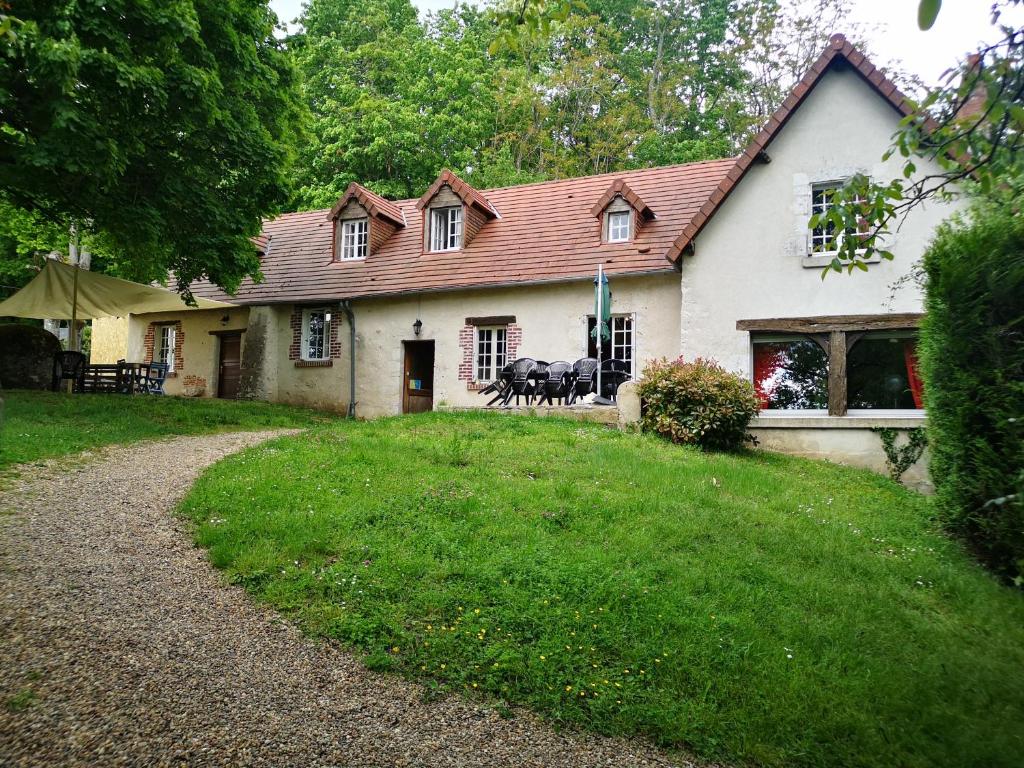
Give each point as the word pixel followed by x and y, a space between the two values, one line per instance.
pixel 295 323
pixel 467 343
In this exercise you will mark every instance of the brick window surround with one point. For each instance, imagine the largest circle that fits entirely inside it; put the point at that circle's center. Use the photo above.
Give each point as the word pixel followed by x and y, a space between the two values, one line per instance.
pixel 467 342
pixel 149 344
pixel 295 349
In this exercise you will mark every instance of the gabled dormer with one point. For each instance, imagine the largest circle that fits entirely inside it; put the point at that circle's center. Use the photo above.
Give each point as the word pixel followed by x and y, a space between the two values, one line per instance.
pixel 363 221
pixel 622 212
pixel 453 212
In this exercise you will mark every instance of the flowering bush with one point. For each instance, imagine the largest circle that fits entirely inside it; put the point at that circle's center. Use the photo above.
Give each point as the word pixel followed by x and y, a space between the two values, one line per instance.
pixel 697 403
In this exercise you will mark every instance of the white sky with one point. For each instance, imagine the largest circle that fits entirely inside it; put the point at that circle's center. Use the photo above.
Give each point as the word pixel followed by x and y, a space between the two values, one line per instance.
pixel 962 24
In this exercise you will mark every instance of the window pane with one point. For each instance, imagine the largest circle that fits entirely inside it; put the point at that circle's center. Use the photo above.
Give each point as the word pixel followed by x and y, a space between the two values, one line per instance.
pixel 619 346
pixel 791 375
pixel 315 336
pixel 483 354
pixel 882 373
pixel 618 226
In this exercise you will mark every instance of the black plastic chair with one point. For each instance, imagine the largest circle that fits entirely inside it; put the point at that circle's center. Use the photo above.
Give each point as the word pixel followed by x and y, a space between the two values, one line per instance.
pixel 537 378
pixel 558 383
pixel 522 383
pixel 584 371
pixel 68 366
pixel 614 373
pixel 499 387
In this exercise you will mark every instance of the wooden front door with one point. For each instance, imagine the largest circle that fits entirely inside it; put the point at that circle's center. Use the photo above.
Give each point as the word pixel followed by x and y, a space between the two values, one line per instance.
pixel 230 368
pixel 418 379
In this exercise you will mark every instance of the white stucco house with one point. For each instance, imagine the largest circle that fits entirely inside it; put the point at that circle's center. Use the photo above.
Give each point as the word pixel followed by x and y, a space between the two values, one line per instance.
pixel 426 299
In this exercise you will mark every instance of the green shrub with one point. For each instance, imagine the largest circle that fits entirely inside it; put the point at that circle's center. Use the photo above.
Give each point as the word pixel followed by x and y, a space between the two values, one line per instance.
pixel 972 350
pixel 697 403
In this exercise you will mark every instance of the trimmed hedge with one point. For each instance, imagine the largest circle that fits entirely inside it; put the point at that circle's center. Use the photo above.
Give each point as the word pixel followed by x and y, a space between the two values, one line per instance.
pixel 972 353
pixel 697 403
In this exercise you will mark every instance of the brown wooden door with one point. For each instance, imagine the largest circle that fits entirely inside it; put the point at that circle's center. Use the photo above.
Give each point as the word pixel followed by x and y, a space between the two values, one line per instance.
pixel 230 368
pixel 418 378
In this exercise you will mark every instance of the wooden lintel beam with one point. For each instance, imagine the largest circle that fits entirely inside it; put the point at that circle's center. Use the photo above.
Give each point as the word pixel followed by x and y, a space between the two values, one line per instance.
pixel 829 323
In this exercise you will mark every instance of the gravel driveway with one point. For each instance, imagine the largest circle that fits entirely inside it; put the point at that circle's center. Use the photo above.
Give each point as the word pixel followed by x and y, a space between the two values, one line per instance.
pixel 120 645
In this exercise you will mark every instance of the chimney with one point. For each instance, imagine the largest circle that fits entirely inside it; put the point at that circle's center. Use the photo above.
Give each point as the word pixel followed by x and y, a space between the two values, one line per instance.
pixel 975 103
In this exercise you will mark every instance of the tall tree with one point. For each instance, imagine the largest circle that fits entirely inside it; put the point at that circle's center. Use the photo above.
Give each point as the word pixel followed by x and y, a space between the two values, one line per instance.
pixel 164 127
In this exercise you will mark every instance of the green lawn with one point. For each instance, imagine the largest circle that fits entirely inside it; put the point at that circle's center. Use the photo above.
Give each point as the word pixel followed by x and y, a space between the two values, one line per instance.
pixel 43 425
pixel 755 609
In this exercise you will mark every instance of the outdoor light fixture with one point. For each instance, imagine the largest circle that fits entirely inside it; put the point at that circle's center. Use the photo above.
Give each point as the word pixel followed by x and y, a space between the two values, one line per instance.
pixel 327 317
pixel 225 320
pixel 417 327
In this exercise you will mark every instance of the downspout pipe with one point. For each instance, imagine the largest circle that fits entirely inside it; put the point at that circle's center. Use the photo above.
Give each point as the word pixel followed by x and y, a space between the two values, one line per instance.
pixel 346 307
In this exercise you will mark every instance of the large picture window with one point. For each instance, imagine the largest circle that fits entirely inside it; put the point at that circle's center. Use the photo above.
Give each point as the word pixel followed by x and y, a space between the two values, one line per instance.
pixel 490 352
pixel 842 364
pixel 619 346
pixel 315 334
pixel 446 228
pixel 882 373
pixel 790 373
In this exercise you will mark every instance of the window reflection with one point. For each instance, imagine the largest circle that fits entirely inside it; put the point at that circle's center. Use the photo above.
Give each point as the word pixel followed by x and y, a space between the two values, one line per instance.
pixel 882 373
pixel 790 374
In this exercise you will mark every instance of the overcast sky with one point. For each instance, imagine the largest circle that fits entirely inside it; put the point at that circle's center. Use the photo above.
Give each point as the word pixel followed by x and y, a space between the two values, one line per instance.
pixel 961 26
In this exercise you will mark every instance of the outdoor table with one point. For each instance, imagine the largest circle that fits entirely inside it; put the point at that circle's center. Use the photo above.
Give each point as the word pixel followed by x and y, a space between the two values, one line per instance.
pixel 112 377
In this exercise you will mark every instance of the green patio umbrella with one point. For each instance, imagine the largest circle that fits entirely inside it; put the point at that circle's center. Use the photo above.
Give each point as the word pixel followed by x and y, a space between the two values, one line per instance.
pixel 602 326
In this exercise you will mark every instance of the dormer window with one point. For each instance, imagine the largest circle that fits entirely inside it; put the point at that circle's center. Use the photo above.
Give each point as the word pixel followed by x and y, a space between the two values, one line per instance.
pixel 618 226
pixel 354 238
pixel 446 228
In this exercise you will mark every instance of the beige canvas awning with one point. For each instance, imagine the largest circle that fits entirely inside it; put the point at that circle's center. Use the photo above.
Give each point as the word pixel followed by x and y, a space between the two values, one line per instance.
pixel 52 294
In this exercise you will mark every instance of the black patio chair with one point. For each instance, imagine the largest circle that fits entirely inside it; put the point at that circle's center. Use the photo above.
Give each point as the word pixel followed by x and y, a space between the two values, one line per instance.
pixel 558 383
pixel 68 366
pixel 584 371
pixel 522 383
pixel 152 377
pixel 537 378
pixel 613 373
pixel 499 387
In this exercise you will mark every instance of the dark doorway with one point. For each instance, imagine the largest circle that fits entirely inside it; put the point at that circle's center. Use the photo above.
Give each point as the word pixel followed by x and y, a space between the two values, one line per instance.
pixel 418 381
pixel 229 370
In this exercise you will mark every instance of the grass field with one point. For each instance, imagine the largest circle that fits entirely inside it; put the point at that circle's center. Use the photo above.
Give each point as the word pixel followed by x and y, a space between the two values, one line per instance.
pixel 44 425
pixel 754 609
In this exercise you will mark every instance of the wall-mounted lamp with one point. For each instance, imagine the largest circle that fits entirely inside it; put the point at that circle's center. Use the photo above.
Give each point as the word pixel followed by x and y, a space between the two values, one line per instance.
pixel 327 317
pixel 417 327
pixel 225 320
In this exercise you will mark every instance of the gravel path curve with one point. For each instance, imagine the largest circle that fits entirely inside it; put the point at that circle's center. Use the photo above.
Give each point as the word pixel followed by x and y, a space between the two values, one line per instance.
pixel 121 646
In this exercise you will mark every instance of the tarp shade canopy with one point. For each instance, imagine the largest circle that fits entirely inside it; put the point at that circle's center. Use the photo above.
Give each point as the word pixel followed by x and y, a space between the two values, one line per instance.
pixel 51 295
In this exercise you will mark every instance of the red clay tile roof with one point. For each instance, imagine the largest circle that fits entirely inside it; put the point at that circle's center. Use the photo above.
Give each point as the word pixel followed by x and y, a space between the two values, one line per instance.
pixel 466 193
pixel 374 204
pixel 620 187
pixel 545 234
pixel 839 49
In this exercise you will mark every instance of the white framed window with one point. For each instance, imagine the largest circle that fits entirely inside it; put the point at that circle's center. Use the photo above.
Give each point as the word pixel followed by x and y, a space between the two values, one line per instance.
pixel 824 238
pixel 355 238
pixel 446 228
pixel 316 324
pixel 166 341
pixel 491 352
pixel 620 346
pixel 618 226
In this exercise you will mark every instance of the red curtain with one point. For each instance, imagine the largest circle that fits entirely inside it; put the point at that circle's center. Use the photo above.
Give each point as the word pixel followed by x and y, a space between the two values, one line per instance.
pixel 767 359
pixel 913 375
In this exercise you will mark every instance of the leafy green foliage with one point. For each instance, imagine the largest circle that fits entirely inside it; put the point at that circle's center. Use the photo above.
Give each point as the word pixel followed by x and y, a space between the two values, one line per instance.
pixel 972 343
pixel 755 609
pixel 44 425
pixel 529 91
pixel 900 458
pixel 162 127
pixel 697 403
